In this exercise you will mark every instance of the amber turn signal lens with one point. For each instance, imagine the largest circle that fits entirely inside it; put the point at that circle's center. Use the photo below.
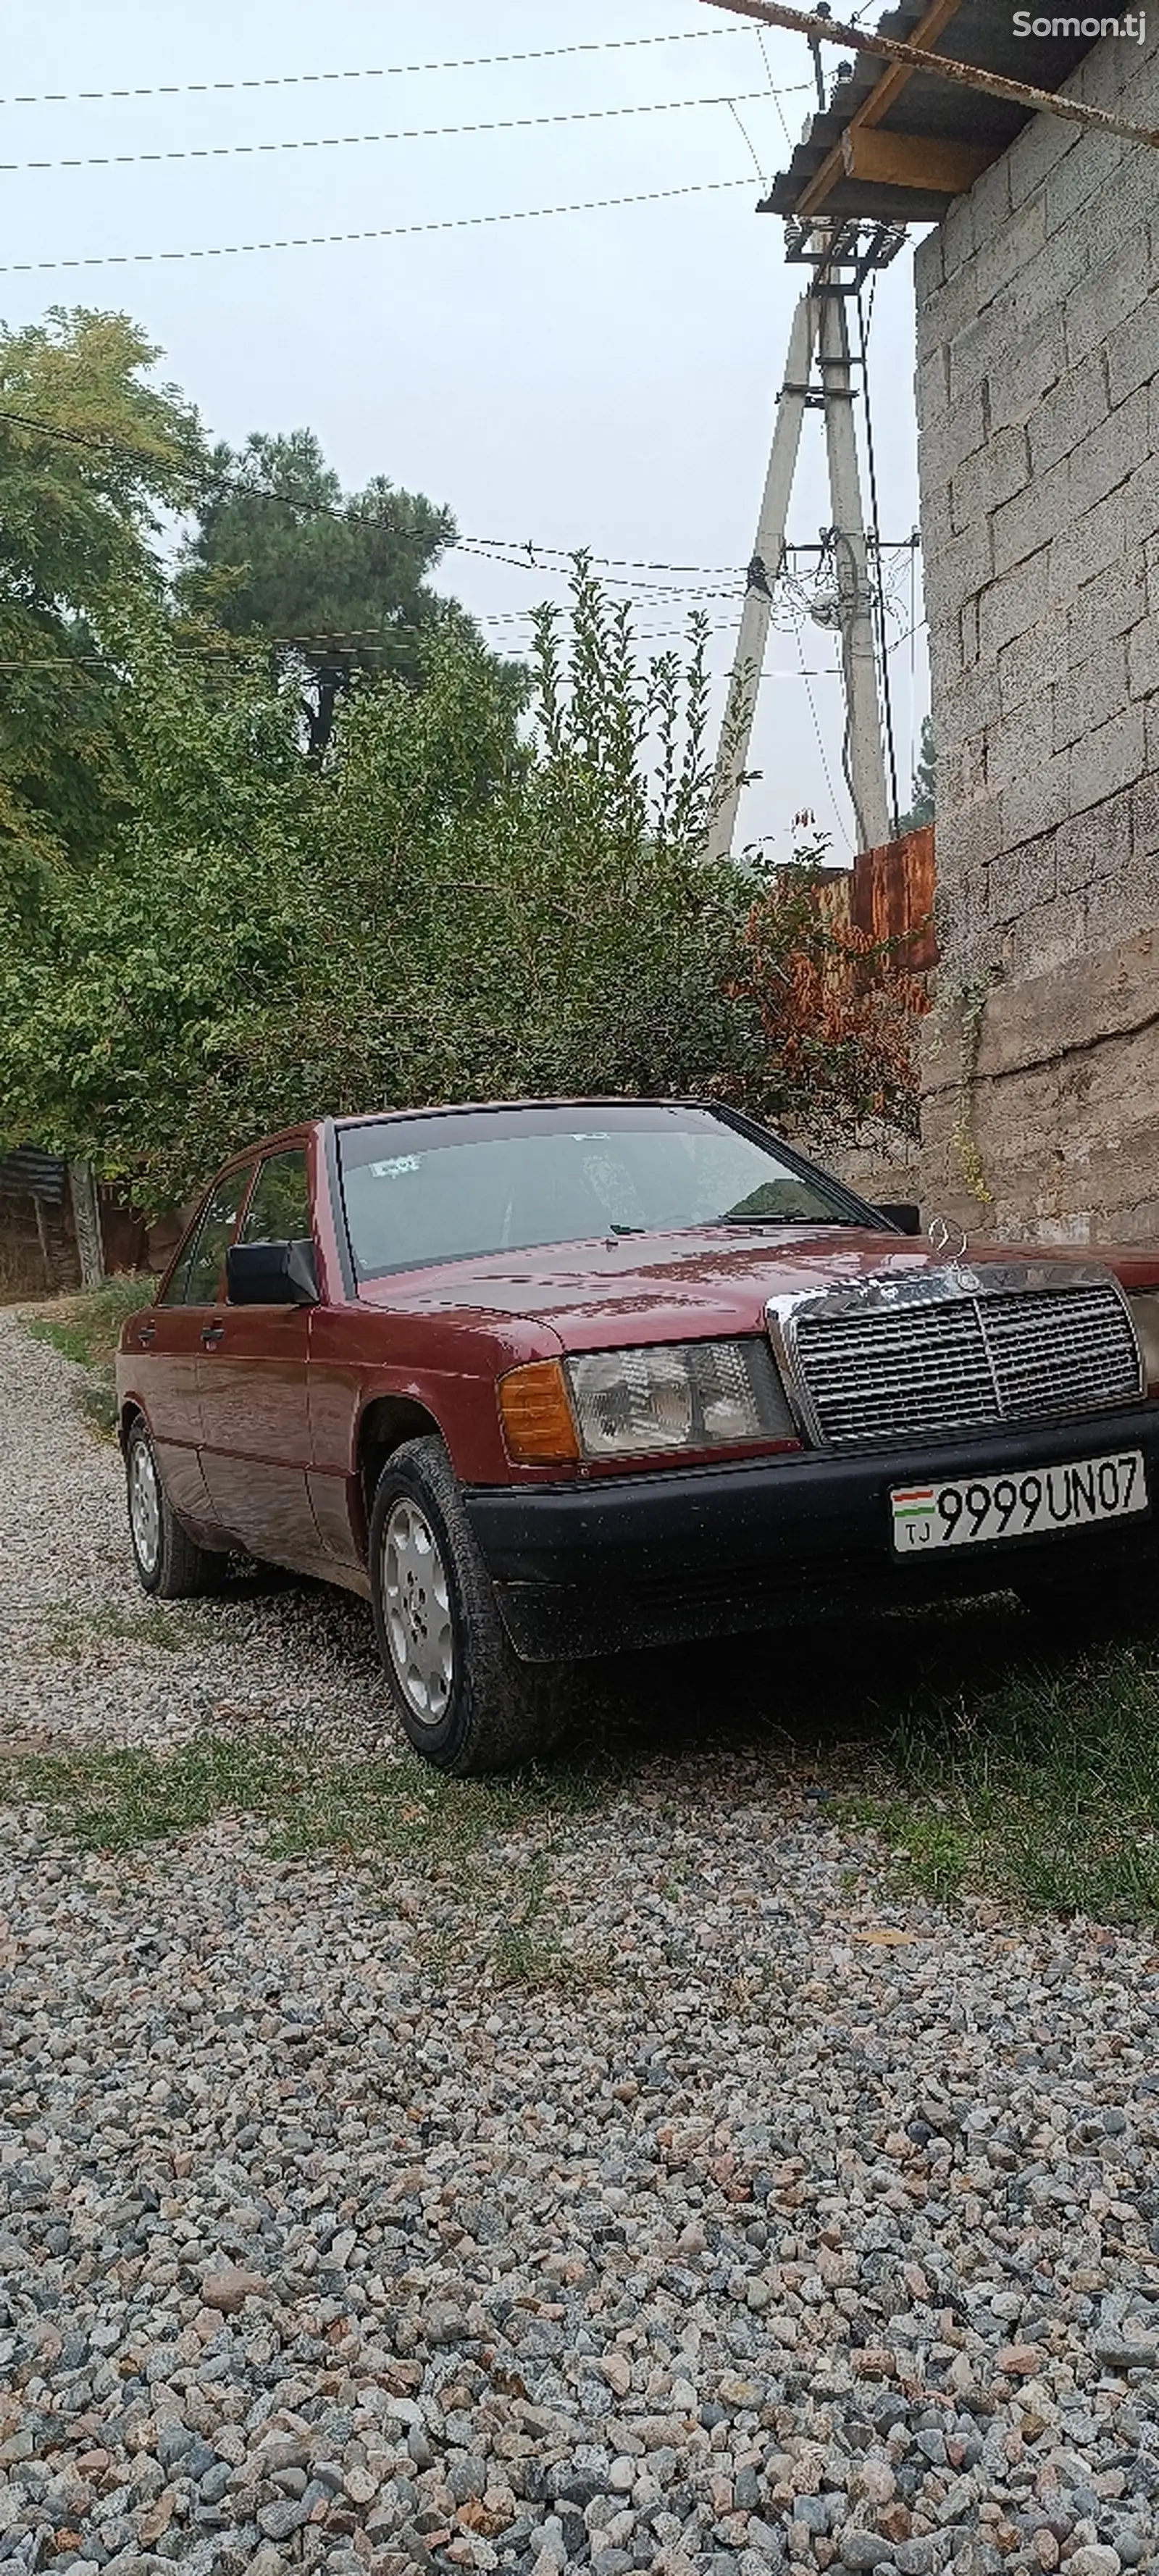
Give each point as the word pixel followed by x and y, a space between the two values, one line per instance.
pixel 535 1411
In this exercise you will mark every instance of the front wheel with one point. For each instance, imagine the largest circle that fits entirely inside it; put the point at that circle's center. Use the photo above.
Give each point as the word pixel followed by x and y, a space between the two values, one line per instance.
pixel 169 1563
pixel 464 1700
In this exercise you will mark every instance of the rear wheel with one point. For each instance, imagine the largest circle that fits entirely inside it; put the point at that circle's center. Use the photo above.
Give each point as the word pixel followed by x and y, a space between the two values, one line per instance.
pixel 463 1699
pixel 169 1563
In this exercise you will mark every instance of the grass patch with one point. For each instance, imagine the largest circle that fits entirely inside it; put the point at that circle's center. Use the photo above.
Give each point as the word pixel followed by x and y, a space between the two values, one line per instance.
pixel 307 1801
pixel 493 1903
pixel 1044 1788
pixel 169 1630
pixel 87 1329
pixel 527 1950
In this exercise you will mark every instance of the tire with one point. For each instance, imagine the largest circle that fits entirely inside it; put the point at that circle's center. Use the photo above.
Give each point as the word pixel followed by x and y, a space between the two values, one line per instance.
pixel 170 1565
pixel 462 1697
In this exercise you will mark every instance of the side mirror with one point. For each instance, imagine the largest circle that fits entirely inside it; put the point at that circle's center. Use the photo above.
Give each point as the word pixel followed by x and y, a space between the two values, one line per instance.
pixel 902 1214
pixel 272 1274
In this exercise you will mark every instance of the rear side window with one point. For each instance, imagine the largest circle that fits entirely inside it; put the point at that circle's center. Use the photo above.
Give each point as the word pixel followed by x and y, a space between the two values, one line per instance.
pixel 279 1211
pixel 174 1294
pixel 195 1280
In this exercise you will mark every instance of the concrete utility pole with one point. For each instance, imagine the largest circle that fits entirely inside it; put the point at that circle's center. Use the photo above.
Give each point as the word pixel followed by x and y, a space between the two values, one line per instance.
pixel 865 762
pixel 745 681
pixel 819 322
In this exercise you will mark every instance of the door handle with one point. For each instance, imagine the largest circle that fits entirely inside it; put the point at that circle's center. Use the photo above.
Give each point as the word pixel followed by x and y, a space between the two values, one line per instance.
pixel 211 1336
pixel 147 1334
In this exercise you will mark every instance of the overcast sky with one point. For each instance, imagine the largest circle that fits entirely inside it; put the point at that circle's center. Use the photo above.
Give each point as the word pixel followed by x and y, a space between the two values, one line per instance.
pixel 603 379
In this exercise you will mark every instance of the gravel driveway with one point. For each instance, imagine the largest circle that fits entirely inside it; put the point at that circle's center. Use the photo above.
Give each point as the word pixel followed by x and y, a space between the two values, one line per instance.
pixel 802 2228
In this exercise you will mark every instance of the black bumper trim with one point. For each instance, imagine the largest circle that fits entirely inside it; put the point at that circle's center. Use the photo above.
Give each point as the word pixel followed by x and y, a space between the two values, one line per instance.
pixel 587 1569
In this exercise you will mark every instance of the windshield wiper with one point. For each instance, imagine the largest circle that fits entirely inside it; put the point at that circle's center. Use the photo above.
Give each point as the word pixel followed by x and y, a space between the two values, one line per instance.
pixel 695 1224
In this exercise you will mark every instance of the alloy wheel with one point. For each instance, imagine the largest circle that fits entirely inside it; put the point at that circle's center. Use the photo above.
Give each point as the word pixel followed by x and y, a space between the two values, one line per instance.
pixel 144 1505
pixel 416 1603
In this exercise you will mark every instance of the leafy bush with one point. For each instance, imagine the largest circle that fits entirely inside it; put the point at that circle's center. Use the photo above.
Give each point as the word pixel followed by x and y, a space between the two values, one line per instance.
pixel 838 1013
pixel 454 903
pixel 457 901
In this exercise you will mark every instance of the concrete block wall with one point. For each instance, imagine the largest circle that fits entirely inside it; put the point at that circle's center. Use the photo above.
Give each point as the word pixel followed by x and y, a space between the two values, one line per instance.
pixel 1038 384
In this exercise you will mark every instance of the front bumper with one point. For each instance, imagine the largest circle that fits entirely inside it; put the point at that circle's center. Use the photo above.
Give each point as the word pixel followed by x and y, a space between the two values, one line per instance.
pixel 680 1553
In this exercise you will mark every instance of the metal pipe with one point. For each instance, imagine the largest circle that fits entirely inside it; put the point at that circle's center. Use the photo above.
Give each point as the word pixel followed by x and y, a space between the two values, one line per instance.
pixel 914 58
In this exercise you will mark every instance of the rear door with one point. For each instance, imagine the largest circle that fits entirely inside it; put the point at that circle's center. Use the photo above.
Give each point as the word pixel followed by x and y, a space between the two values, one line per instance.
pixel 255 1423
pixel 168 1348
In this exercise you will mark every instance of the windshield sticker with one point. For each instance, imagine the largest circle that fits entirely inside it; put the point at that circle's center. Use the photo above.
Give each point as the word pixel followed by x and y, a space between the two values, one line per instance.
pixel 398 1163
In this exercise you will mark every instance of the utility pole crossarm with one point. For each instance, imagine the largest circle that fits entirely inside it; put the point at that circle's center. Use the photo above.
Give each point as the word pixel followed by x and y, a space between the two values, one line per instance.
pixel 916 58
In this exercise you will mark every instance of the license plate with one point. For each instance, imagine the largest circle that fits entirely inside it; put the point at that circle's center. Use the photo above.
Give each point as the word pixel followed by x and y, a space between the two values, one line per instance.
pixel 1030 1502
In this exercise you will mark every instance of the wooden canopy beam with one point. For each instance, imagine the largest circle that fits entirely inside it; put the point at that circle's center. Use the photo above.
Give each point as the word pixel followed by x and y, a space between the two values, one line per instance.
pixel 870 113
pixel 913 160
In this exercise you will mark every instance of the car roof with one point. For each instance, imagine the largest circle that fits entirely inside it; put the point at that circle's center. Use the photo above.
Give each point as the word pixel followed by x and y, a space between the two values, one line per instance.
pixel 281 1139
pixel 536 1100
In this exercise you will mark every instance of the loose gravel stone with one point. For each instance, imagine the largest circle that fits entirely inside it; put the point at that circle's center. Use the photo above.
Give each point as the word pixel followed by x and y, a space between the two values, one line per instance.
pixel 801 2230
pixel 297 1657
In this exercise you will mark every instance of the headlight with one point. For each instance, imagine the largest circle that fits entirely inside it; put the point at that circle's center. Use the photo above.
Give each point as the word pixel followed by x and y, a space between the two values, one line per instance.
pixel 677 1395
pixel 1145 1315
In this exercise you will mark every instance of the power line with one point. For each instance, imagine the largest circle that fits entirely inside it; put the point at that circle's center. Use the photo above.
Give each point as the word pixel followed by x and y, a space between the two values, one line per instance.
pixel 910 632
pixel 381 71
pixel 383 232
pixel 398 134
pixel 805 675
pixel 520 554
pixel 250 648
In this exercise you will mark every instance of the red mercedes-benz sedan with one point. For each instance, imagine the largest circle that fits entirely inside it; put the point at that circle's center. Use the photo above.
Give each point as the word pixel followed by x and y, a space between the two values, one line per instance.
pixel 554 1378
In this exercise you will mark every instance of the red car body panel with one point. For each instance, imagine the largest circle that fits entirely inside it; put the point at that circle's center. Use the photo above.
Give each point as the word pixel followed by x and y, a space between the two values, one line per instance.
pixel 259 1414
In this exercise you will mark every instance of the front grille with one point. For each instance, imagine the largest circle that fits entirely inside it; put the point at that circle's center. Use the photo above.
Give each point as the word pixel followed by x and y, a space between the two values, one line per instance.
pixel 966 1363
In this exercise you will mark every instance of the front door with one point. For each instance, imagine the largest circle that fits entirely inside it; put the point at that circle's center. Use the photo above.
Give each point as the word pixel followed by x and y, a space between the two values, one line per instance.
pixel 255 1423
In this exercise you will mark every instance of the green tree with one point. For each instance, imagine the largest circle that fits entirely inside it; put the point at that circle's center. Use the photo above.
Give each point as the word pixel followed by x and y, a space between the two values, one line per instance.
pixel 451 905
pixel 922 790
pixel 92 455
pixel 336 582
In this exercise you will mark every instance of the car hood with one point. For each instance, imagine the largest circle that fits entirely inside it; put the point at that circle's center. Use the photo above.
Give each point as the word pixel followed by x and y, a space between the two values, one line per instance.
pixel 665 1287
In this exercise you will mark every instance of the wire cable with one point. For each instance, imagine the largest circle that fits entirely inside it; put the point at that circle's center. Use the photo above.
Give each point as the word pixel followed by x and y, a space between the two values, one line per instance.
pixel 908 637
pixel 805 675
pixel 742 128
pixel 251 652
pixel 526 555
pixel 777 94
pixel 397 134
pixel 379 71
pixel 525 560
pixel 255 647
pixel 381 232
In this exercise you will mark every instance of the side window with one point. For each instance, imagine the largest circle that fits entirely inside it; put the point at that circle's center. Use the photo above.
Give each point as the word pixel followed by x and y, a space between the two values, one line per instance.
pixel 175 1292
pixel 279 1211
pixel 199 1276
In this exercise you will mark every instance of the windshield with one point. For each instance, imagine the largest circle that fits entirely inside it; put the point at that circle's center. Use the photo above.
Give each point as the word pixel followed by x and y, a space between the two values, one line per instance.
pixel 460 1183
